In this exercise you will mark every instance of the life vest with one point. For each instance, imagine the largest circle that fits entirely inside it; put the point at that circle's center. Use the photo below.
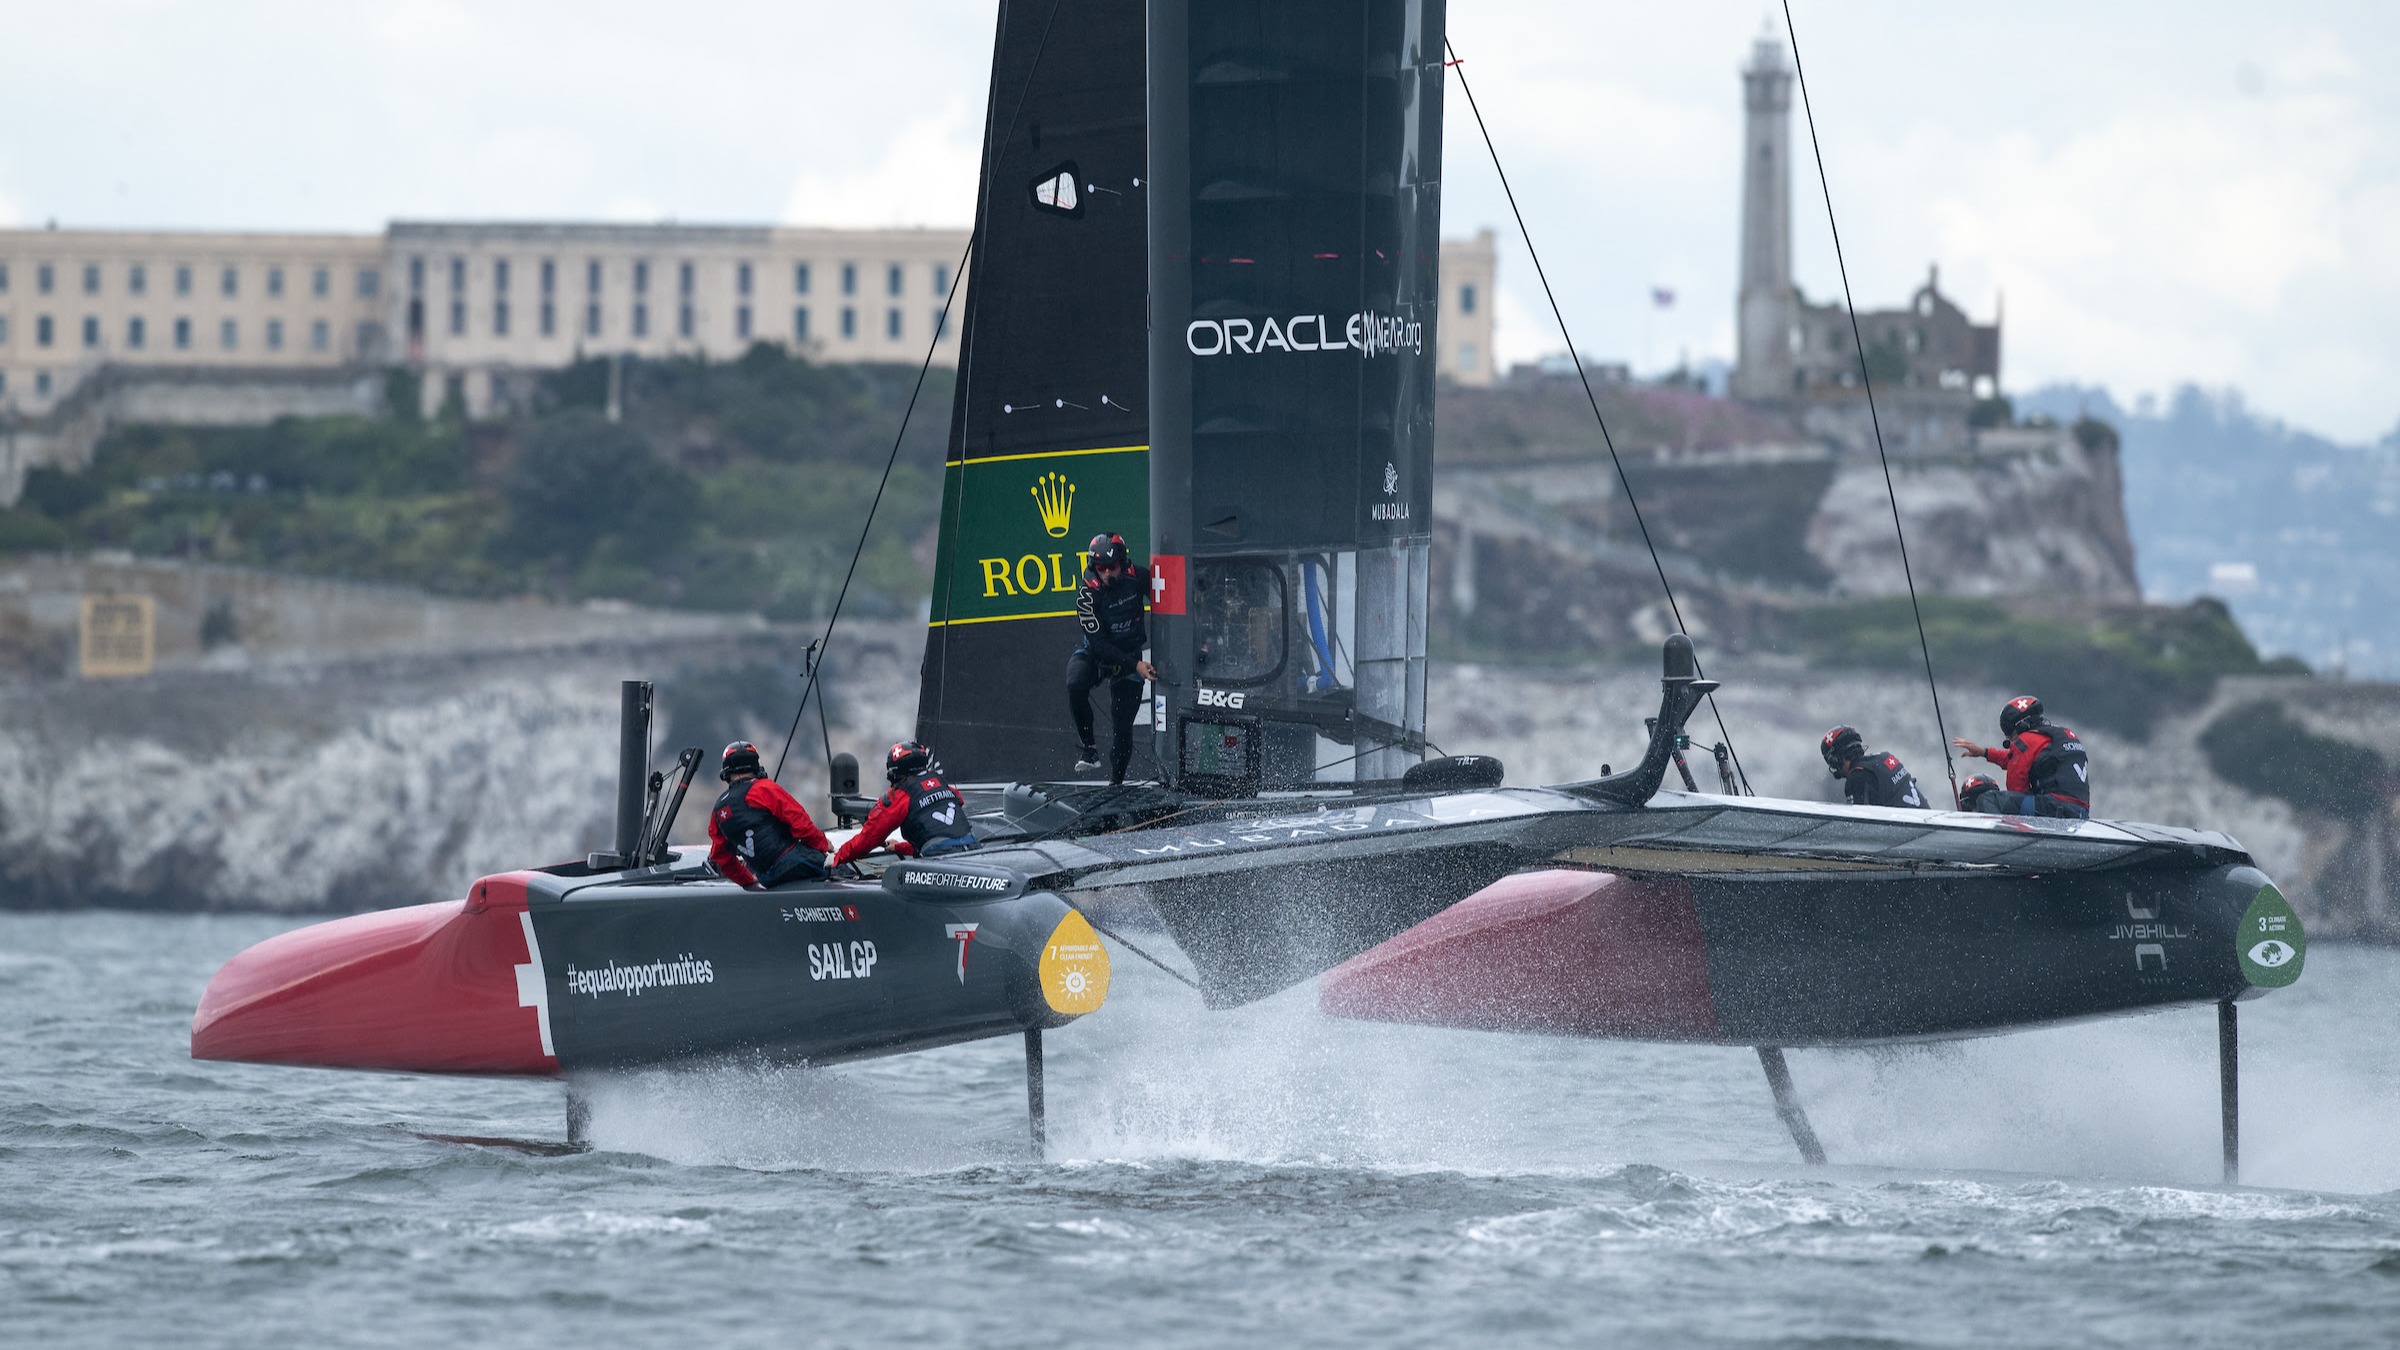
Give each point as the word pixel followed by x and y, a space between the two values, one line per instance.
pixel 2060 768
pixel 935 811
pixel 2049 761
pixel 1110 612
pixel 1882 780
pixel 754 833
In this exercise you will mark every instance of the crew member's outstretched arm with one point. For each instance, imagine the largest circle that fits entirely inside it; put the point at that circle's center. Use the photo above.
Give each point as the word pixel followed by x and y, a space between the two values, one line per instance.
pixel 890 809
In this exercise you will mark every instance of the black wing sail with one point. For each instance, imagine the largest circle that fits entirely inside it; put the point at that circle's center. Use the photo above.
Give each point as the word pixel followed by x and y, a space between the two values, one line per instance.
pixel 1294 247
pixel 1049 432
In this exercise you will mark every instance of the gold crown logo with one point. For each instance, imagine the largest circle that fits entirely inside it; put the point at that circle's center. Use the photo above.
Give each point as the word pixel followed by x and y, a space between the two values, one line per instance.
pixel 1054 496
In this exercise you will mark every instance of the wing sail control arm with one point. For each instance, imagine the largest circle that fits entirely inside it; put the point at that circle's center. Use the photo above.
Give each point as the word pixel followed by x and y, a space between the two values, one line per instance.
pixel 1680 692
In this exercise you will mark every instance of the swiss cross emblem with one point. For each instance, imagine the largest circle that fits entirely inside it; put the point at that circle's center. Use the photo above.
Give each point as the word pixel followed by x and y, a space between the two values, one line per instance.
pixel 1166 584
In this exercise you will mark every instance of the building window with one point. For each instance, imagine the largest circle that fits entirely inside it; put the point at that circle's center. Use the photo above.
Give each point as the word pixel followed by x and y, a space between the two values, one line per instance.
pixel 41 384
pixel 891 324
pixel 741 323
pixel 799 278
pixel 274 335
pixel 91 278
pixel 43 332
pixel 137 333
pixel 91 331
pixel 1466 299
pixel 683 321
pixel 641 320
pixel 3 278
pixel 849 278
pixel 499 318
pixel 549 276
pixel 849 323
pixel 941 324
pixel 641 278
pixel 800 324
pixel 416 276
pixel 4 330
pixel 1466 357
pixel 229 282
pixel 3 381
pixel 500 275
pixel 458 275
pixel 42 279
pixel 941 278
pixel 275 281
pixel 183 334
pixel 228 335
pixel 458 318
pixel 591 319
pixel 137 280
pixel 183 279
pixel 320 282
pixel 683 278
pixel 741 278
pixel 591 276
pixel 370 283
pixel 895 280
pixel 549 318
pixel 320 336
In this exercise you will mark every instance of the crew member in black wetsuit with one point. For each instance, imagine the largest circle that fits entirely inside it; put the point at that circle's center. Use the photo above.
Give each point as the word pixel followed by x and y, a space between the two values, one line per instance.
pixel 1110 606
pixel 1868 779
pixel 758 836
pixel 2048 773
pixel 929 814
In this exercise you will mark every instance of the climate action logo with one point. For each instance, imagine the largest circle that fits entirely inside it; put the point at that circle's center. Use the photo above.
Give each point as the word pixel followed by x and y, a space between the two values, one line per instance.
pixel 2270 942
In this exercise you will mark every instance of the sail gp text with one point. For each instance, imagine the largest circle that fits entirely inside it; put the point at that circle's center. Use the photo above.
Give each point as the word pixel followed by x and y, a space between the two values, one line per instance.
pixel 841 960
pixel 1368 332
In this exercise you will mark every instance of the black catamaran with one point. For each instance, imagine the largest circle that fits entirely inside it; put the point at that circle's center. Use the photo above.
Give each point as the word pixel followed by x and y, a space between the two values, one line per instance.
pixel 1202 315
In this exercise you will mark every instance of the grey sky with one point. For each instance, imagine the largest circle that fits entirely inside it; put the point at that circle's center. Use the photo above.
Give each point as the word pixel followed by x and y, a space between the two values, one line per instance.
pixel 2161 191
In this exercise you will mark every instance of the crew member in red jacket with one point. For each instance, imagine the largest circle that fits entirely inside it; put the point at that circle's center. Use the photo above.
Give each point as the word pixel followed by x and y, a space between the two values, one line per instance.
pixel 759 836
pixel 2048 772
pixel 929 814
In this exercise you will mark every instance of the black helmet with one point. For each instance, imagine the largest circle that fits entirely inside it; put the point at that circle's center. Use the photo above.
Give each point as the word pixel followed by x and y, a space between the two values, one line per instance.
pixel 1974 787
pixel 905 758
pixel 740 757
pixel 1841 745
pixel 1108 550
pixel 2023 713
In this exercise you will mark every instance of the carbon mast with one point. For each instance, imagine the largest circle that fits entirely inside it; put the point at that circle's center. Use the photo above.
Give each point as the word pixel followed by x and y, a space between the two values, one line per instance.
pixel 1294 240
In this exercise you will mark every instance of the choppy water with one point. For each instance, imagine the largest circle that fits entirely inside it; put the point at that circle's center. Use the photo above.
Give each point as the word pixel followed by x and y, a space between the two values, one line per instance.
pixel 1220 1178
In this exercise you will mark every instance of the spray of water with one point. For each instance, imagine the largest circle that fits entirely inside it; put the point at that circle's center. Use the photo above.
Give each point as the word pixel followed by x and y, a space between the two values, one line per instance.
pixel 1155 1079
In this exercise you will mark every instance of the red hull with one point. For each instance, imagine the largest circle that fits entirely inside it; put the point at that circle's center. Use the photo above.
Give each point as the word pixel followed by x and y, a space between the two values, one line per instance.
pixel 445 988
pixel 1571 953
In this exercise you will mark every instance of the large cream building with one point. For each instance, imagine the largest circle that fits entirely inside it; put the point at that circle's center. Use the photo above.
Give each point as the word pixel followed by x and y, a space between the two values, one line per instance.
pixel 478 307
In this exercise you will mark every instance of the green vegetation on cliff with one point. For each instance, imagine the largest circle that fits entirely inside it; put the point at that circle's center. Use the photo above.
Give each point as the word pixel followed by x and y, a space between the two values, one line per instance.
pixel 2262 748
pixel 2121 668
pixel 735 486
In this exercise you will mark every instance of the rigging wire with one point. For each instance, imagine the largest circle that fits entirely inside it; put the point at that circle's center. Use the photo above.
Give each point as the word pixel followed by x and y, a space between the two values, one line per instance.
pixel 966 367
pixel 1605 439
pixel 1867 382
pixel 866 525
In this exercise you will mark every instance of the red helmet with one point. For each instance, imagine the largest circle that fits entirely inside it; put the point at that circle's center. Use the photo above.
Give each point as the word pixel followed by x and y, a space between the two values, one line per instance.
pixel 905 758
pixel 740 757
pixel 1840 746
pixel 2023 713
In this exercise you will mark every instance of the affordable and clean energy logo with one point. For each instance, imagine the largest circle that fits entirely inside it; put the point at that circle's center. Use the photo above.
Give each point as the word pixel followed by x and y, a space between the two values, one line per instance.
pixel 1366 331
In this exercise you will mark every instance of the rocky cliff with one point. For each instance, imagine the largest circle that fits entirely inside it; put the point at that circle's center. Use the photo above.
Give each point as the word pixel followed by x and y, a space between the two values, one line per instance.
pixel 1538 550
